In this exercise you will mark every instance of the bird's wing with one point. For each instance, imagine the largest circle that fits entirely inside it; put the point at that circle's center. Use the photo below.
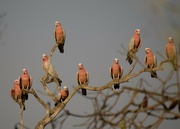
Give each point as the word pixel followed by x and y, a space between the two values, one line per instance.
pixel 20 82
pixel 121 71
pixel 165 50
pixel 139 44
pixel 64 36
pixel 77 77
pixel 52 71
pixel 55 35
pixel 31 81
pixel 110 71
pixel 87 79
pixel 155 61
pixel 174 50
pixel 145 60
pixel 131 45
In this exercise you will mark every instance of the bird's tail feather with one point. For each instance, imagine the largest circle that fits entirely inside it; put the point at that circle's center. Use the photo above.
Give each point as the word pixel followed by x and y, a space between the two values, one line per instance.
pixel 61 48
pixel 129 58
pixel 84 92
pixel 59 81
pixel 24 96
pixel 153 74
pixel 56 103
pixel 116 86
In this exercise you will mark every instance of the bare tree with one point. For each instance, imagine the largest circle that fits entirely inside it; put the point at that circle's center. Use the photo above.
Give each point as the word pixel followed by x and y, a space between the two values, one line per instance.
pixel 134 113
pixel 147 106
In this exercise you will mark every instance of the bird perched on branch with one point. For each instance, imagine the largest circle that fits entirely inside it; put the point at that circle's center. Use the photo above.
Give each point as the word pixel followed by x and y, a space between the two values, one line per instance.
pixel 82 77
pixel 150 61
pixel 145 102
pixel 47 66
pixel 17 95
pixel 170 51
pixel 116 72
pixel 16 91
pixel 60 36
pixel 25 81
pixel 134 45
pixel 173 104
pixel 62 95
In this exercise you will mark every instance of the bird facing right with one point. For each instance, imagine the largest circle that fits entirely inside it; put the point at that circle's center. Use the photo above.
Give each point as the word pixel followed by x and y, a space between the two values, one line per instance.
pixel 134 45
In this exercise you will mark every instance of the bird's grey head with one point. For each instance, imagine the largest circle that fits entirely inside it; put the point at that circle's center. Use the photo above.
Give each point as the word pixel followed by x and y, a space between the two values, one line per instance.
pixel 138 31
pixel 57 23
pixel 147 50
pixel 16 81
pixel 65 87
pixel 170 39
pixel 24 71
pixel 44 55
pixel 80 66
pixel 116 60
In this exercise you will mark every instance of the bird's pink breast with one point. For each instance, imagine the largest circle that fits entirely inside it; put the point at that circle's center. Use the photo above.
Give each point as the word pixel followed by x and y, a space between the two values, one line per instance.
pixel 82 76
pixel 116 69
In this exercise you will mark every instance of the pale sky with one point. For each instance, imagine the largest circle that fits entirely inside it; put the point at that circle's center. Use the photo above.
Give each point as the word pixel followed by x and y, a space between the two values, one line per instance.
pixel 95 30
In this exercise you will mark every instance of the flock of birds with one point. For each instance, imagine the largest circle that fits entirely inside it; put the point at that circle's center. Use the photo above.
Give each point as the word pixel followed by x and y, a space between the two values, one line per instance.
pixel 116 70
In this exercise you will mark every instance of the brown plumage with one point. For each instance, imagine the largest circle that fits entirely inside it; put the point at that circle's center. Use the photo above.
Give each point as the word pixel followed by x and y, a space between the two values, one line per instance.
pixel 145 102
pixel 173 104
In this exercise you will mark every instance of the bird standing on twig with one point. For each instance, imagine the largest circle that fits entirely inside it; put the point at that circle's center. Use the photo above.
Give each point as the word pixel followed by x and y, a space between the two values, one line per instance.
pixel 116 72
pixel 62 95
pixel 60 36
pixel 17 94
pixel 82 77
pixel 170 51
pixel 150 61
pixel 25 82
pixel 47 66
pixel 134 45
